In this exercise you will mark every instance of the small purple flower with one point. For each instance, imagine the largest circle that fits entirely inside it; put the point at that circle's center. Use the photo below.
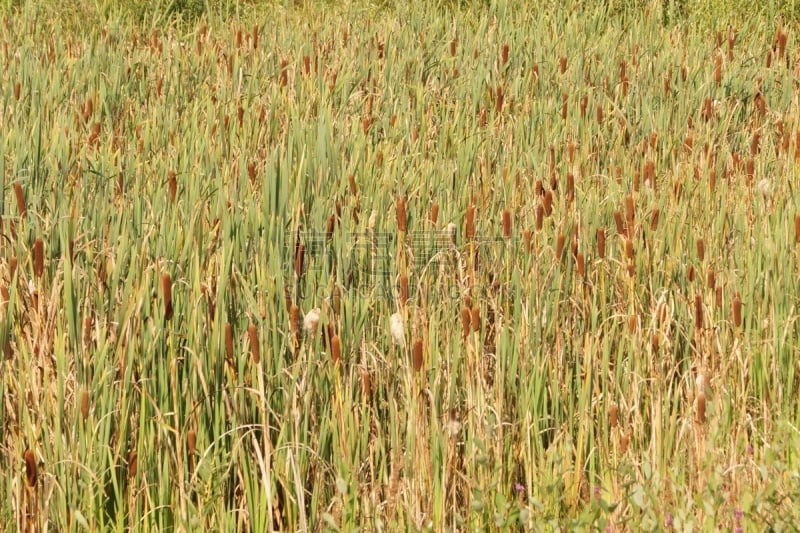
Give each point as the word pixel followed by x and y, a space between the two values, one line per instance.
pixel 597 491
pixel 737 515
pixel 738 529
pixel 749 449
pixel 519 487
pixel 668 520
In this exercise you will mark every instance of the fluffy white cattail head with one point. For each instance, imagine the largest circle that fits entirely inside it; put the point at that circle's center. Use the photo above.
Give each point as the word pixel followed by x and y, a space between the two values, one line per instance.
pixel 311 320
pixel 450 232
pixel 764 188
pixel 397 329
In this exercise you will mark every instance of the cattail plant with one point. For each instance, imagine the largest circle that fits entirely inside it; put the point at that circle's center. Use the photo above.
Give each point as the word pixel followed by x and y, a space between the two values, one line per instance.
pixel 654 219
pixel 469 228
pixel 84 404
pixel 701 250
pixel 700 408
pixel 191 447
pixel 38 257
pixel 20 195
pixel 172 182
pixel 434 214
pixel 336 349
pixel 621 229
pixel 698 311
pixel 601 243
pixel 255 350
pixel 475 318
pixel 397 330
pixel 506 224
pixel 31 471
pixel 737 309
pixel 466 320
pixel 417 355
pixel 547 203
pixel 624 442
pixel 401 215
pixel 311 321
pixel 299 258
pixel 560 245
pixel 132 464
pixel 166 291
pixel 613 414
pixel 570 187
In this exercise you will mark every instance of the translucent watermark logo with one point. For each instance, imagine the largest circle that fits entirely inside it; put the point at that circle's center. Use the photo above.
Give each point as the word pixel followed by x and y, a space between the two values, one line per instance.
pixel 365 264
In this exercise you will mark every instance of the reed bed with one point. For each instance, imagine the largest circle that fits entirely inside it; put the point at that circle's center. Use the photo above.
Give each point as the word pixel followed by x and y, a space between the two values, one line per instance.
pixel 409 268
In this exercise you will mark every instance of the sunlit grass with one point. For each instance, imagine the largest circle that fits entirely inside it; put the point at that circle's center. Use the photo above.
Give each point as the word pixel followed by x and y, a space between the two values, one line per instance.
pixel 399 269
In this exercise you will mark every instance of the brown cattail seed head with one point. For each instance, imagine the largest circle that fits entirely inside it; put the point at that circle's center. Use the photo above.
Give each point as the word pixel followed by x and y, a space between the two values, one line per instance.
pixel 580 263
pixel 336 349
pixel 700 408
pixel 255 350
pixel 601 243
pixel 191 442
pixel 621 229
pixel 229 341
pixel 173 185
pixel 166 291
pixel 698 311
pixel 299 257
pixel 547 202
pixel 20 195
pixel 506 224
pixel 737 309
pixel 470 223
pixel 701 250
pixel 527 236
pixel 417 355
pixel 466 319
pixel 132 464
pixel 38 257
pixel 401 214
pixel 31 473
pixel 475 318
pixel 84 404
pixel 629 213
pixel 560 245
pixel 624 441
pixel 654 220
pixel 434 213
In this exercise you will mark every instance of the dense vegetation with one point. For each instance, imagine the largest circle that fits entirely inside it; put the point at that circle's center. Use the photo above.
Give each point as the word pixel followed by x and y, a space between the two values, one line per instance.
pixel 452 266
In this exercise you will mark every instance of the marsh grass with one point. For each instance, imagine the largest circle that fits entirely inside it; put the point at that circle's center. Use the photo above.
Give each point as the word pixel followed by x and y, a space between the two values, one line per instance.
pixel 186 193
